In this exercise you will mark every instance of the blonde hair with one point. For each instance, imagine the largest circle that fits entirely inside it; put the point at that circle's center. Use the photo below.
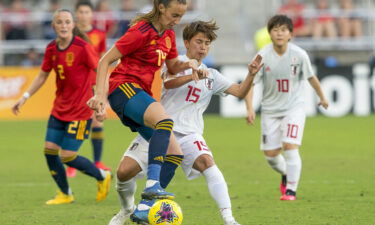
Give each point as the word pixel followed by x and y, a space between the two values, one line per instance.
pixel 154 14
pixel 76 30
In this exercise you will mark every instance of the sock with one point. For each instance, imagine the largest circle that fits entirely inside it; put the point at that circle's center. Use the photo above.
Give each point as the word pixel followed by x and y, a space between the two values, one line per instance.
pixel 97 142
pixel 168 169
pixel 218 190
pixel 277 163
pixel 57 169
pixel 158 147
pixel 84 165
pixel 293 168
pixel 126 191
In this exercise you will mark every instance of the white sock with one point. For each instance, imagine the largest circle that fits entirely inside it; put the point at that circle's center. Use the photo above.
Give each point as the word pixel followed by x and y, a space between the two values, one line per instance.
pixel 277 163
pixel 126 191
pixel 219 190
pixel 293 168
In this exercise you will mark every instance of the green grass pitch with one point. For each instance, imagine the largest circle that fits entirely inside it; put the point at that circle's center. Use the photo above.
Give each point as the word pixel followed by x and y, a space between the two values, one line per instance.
pixel 337 186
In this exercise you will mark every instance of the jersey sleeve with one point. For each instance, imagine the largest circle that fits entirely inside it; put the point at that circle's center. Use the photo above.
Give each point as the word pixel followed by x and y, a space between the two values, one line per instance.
pixel 92 57
pixel 129 42
pixel 221 83
pixel 307 70
pixel 47 63
pixel 173 53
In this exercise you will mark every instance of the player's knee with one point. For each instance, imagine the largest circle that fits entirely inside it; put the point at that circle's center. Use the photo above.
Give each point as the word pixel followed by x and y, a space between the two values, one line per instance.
pixel 67 156
pixel 289 146
pixel 125 173
pixel 203 162
pixel 272 153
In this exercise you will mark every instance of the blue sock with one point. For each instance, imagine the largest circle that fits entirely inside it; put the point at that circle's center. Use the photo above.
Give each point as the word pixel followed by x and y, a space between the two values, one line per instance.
pixel 97 142
pixel 84 165
pixel 158 147
pixel 171 162
pixel 57 169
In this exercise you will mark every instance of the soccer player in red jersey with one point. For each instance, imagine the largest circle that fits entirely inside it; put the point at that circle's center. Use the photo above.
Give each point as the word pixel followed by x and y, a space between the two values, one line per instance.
pixel 143 49
pixel 73 61
pixel 84 15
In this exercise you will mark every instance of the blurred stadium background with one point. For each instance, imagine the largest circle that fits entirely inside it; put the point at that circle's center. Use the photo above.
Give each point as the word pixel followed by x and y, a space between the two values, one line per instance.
pixel 338 179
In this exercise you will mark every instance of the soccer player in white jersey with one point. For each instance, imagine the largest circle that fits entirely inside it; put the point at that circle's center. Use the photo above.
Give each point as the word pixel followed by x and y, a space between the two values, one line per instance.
pixel 286 68
pixel 185 100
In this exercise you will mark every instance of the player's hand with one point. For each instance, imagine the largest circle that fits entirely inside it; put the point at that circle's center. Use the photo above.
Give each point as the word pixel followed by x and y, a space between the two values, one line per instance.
pixel 193 64
pixel 255 65
pixel 100 117
pixel 324 103
pixel 202 74
pixel 97 103
pixel 250 117
pixel 16 107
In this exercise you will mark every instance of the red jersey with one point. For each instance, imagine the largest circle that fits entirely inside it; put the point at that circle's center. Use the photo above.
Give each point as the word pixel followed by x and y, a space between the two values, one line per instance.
pixel 74 68
pixel 144 52
pixel 98 40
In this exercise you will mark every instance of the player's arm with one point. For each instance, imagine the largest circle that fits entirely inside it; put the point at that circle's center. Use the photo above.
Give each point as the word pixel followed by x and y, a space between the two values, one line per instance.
pixel 242 89
pixel 250 118
pixel 314 82
pixel 173 81
pixel 35 86
pixel 97 102
pixel 175 66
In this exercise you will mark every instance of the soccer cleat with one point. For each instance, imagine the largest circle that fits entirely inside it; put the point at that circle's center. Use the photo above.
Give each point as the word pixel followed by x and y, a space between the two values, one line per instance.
pixel 140 214
pixel 103 187
pixel 283 185
pixel 61 198
pixel 71 172
pixel 121 217
pixel 101 165
pixel 156 192
pixel 289 196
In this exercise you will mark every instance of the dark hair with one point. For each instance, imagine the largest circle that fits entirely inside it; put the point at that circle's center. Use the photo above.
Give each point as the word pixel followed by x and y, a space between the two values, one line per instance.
pixel 280 20
pixel 84 3
pixel 207 28
pixel 154 14
pixel 76 30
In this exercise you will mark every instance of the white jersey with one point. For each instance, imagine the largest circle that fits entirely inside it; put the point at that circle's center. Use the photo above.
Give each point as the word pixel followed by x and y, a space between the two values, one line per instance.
pixel 283 79
pixel 187 103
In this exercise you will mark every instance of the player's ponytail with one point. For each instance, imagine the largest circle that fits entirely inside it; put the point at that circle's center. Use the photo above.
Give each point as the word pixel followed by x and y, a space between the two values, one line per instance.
pixel 154 14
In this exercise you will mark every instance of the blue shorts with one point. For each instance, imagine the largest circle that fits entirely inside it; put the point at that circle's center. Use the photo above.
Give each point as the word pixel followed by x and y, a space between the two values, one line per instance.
pixel 67 135
pixel 130 102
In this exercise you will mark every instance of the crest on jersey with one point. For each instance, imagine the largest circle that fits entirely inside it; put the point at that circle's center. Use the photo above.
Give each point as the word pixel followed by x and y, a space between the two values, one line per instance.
pixel 268 69
pixel 69 58
pixel 94 38
pixel 153 42
pixel 168 42
pixel 294 66
pixel 209 83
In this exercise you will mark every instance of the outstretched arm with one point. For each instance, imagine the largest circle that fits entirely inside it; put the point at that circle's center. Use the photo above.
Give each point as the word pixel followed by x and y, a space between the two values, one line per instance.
pixel 314 82
pixel 241 90
pixel 172 81
pixel 175 66
pixel 35 86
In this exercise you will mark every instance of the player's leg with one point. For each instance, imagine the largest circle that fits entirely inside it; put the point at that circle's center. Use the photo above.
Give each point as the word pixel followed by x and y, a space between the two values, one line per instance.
pixel 76 132
pixel 271 146
pixel 293 126
pixel 97 143
pixel 54 136
pixel 132 167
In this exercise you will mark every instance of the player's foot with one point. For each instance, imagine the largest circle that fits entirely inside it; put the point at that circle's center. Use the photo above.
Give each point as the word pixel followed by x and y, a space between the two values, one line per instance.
pixel 103 187
pixel 283 185
pixel 71 172
pixel 156 192
pixel 289 196
pixel 101 165
pixel 61 198
pixel 140 214
pixel 121 217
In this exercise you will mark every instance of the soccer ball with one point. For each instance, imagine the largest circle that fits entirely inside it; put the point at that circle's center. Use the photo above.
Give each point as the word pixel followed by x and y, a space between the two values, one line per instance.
pixel 165 212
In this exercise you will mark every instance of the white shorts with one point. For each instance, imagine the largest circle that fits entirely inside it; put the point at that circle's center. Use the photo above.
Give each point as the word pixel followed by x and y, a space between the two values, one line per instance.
pixel 285 129
pixel 192 145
